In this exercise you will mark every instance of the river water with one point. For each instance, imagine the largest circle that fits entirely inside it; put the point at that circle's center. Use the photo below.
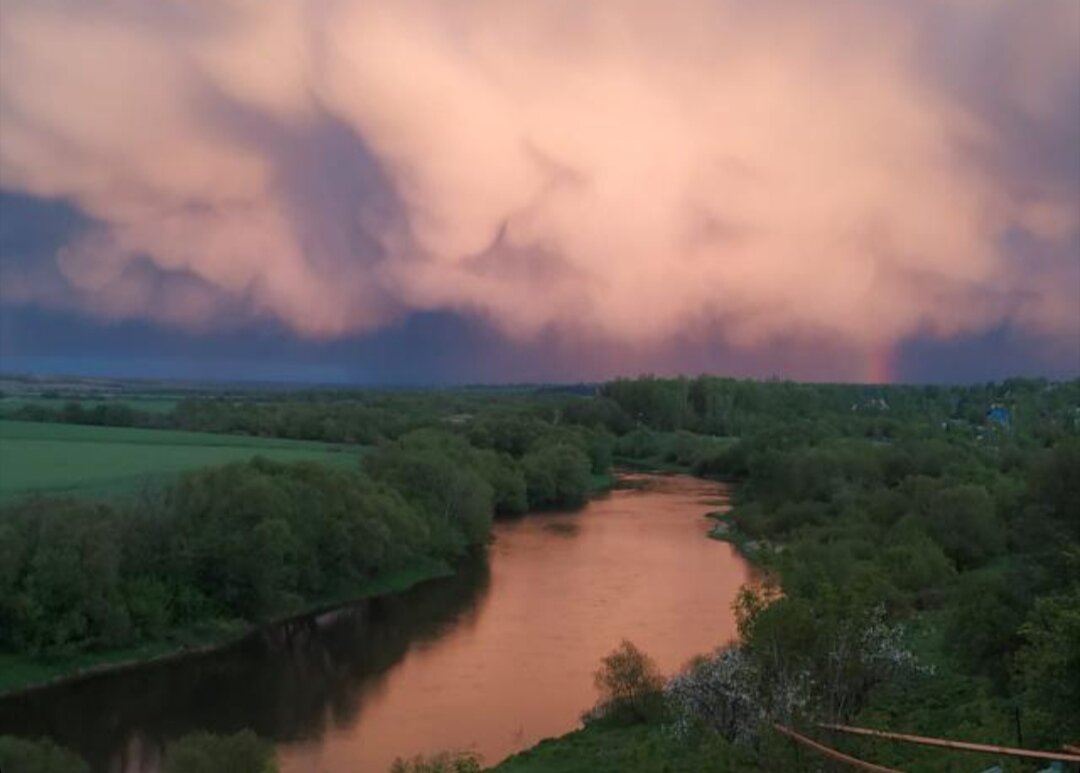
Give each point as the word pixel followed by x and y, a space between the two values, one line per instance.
pixel 493 659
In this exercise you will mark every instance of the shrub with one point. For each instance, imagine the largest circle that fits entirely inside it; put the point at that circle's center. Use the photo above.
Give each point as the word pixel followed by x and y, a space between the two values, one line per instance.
pixel 556 476
pixel 717 693
pixel 42 756
pixel 443 762
pixel 203 752
pixel 630 685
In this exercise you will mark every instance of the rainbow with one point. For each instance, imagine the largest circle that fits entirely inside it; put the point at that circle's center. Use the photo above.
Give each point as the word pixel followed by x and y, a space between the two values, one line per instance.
pixel 880 366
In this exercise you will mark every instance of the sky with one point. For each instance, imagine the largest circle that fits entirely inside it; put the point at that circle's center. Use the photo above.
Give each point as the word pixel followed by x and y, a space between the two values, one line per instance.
pixel 433 192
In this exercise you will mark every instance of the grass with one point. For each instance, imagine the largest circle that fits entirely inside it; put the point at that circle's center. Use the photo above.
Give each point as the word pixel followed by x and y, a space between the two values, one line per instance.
pixel 601 482
pixel 20 672
pixel 633 749
pixel 102 461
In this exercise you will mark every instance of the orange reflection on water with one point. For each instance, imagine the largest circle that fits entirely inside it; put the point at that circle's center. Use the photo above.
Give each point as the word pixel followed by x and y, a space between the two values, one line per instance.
pixel 565 589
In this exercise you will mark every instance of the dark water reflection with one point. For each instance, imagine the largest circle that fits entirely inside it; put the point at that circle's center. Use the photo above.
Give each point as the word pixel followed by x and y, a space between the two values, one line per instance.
pixel 296 681
pixel 494 658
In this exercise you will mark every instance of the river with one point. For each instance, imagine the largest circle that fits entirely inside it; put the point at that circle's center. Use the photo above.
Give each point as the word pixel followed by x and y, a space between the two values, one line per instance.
pixel 493 659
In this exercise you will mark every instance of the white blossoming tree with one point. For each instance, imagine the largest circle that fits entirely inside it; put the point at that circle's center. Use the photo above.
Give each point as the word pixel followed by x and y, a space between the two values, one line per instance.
pixel 796 662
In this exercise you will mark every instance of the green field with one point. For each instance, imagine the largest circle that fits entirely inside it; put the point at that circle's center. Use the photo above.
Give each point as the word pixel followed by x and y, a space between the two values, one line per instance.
pixel 95 461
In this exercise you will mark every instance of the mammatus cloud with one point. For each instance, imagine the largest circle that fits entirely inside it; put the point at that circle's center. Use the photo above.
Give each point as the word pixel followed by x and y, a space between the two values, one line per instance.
pixel 849 172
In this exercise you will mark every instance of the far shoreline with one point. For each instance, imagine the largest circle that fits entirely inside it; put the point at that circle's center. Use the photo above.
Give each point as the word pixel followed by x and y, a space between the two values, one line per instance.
pixel 229 634
pixel 47 673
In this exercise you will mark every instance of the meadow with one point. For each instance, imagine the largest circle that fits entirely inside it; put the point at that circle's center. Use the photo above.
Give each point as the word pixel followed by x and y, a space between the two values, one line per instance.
pixel 101 461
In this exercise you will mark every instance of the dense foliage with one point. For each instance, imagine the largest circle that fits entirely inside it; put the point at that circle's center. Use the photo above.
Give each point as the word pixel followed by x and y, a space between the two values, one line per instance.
pixel 249 541
pixel 347 417
pixel 926 541
pixel 199 752
pixel 930 532
pixel 443 762
pixel 38 756
pixel 203 752
pixel 630 686
pixel 244 541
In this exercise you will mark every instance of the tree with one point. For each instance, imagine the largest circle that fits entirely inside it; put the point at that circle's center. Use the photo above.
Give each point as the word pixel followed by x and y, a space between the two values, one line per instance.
pixel 718 693
pixel 506 480
pixel 630 685
pixel 243 752
pixel 916 563
pixel 820 656
pixel 1048 668
pixel 438 474
pixel 20 755
pixel 963 522
pixel 556 475
pixel 1056 484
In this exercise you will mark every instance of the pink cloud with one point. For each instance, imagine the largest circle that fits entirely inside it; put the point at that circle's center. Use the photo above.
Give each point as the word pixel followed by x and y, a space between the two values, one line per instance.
pixel 617 172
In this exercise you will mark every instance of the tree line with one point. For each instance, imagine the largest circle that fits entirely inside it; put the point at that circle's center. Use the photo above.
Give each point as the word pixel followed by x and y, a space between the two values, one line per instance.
pixel 259 539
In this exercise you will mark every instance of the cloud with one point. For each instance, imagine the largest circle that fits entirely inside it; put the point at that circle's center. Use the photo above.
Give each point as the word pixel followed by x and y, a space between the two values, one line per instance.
pixel 855 173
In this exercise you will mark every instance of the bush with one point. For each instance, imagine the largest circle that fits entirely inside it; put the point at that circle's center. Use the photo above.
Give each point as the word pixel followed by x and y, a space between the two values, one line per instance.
pixel 1048 668
pixel 963 521
pixel 20 755
pixel 717 694
pixel 820 658
pixel 244 752
pixel 557 476
pixel 443 762
pixel 630 685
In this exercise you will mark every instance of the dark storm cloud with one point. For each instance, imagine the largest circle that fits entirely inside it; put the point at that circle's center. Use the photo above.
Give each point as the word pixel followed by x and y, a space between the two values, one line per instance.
pixel 798 186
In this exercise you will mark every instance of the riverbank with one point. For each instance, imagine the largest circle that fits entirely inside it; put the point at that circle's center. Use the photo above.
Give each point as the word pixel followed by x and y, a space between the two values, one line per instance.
pixel 468 634
pixel 633 749
pixel 725 528
pixel 601 483
pixel 20 674
pixel 23 673
pixel 642 748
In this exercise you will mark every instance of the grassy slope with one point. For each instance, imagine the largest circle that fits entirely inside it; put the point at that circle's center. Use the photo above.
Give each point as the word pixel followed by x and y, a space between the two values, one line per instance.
pixel 88 460
pixel 635 749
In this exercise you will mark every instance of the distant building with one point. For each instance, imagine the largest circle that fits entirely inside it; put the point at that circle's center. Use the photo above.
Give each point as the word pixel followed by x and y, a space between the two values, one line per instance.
pixel 998 414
